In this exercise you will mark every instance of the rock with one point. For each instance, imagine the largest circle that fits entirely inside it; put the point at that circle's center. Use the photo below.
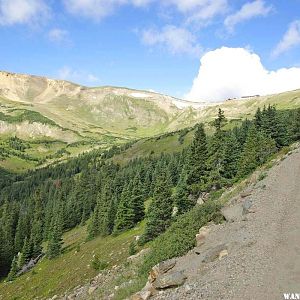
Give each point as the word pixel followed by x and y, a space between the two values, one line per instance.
pixel 214 253
pixel 92 289
pixel 201 236
pixel 233 213
pixel 246 193
pixel 175 211
pixel 246 206
pixel 169 280
pixel 161 268
pixel 138 256
pixel 143 295
pixel 200 201
pixel 223 254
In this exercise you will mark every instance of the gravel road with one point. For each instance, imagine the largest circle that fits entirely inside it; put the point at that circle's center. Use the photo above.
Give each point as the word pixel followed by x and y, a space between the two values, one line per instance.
pixel 263 259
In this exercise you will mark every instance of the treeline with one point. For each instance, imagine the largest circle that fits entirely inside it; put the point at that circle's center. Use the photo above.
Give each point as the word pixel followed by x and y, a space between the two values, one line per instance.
pixel 39 206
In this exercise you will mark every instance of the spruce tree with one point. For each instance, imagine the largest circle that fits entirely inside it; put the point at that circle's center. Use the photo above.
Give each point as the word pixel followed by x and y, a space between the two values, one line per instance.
pixel 216 153
pixel 159 213
pixel 13 270
pixel 55 241
pixel 125 218
pixel 182 198
pixel 196 165
pixel 296 126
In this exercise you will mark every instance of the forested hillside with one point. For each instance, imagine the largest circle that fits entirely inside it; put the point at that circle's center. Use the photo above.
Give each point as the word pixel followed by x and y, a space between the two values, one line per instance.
pixel 37 207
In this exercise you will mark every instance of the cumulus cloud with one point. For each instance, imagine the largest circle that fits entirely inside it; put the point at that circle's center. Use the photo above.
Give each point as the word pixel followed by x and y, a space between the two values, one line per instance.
pixel 57 35
pixel 22 11
pixel 248 11
pixel 174 39
pixel 67 73
pixel 290 39
pixel 236 72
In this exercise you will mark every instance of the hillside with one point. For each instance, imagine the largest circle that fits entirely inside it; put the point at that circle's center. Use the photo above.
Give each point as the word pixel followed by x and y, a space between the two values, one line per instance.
pixel 56 119
pixel 261 255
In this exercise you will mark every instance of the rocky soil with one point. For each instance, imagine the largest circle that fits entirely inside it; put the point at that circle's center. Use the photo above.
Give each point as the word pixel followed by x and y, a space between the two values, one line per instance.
pixel 256 253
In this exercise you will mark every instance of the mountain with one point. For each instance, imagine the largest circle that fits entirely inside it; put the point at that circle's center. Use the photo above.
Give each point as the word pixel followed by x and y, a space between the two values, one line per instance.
pixel 56 119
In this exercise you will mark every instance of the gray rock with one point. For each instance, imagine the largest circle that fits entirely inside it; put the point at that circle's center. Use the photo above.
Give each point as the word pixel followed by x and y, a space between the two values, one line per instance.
pixel 247 205
pixel 169 280
pixel 214 253
pixel 161 268
pixel 246 193
pixel 232 213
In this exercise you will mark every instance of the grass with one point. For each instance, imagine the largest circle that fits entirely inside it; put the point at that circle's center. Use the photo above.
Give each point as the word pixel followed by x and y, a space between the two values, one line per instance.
pixel 72 268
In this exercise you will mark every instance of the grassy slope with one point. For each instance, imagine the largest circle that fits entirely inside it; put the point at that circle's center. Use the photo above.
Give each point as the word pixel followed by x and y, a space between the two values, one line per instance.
pixel 51 277
pixel 117 119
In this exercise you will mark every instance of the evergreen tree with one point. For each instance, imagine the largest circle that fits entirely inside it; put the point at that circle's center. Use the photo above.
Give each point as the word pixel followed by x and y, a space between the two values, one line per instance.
pixel 125 218
pixel 26 252
pixel 231 156
pixel 182 198
pixel 248 160
pixel 196 165
pixel 296 126
pixel 159 213
pixel 216 153
pixel 13 270
pixel 55 241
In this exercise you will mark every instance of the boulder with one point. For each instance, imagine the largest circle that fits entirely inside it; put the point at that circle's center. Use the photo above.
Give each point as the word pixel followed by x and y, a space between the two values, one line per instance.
pixel 201 236
pixel 161 268
pixel 169 280
pixel 139 255
pixel 247 204
pixel 143 295
pixel 246 193
pixel 214 253
pixel 233 213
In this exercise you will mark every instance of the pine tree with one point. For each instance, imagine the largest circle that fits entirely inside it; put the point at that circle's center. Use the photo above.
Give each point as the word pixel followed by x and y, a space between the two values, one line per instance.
pixel 55 241
pixel 138 198
pixel 37 226
pixel 125 218
pixel 159 213
pixel 182 197
pixel 196 165
pixel 216 153
pixel 26 252
pixel 13 270
pixel 231 156
pixel 248 161
pixel 296 125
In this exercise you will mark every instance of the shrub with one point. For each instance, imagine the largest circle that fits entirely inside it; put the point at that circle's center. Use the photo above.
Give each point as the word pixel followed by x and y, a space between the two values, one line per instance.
pixel 180 236
pixel 98 264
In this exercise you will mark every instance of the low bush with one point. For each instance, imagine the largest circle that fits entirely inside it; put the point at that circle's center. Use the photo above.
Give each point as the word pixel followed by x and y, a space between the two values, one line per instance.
pixel 180 236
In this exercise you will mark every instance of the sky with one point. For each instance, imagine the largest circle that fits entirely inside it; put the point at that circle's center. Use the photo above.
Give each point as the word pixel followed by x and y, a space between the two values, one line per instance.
pixel 201 50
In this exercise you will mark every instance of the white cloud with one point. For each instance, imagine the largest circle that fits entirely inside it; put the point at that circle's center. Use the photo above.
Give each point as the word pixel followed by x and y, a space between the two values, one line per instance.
pixel 235 72
pixel 82 77
pixel 22 11
pixel 199 10
pixel 290 39
pixel 99 9
pixel 58 35
pixel 174 39
pixel 248 11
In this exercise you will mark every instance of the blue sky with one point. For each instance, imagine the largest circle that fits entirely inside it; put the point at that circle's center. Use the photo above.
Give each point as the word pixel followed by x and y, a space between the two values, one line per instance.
pixel 151 44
